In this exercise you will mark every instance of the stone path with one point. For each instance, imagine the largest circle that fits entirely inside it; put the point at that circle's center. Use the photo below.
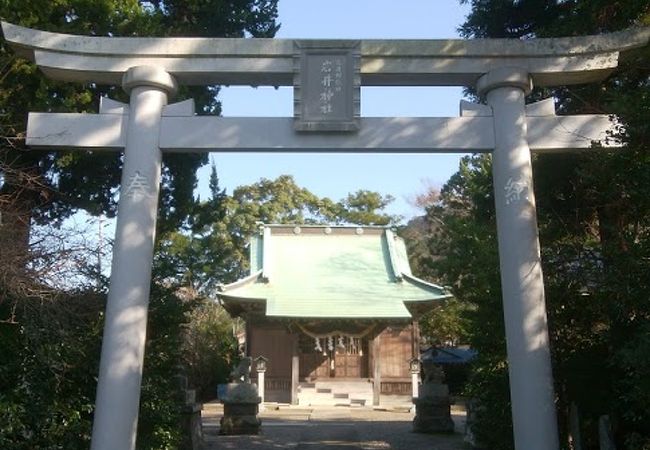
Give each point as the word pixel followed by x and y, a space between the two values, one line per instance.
pixel 330 428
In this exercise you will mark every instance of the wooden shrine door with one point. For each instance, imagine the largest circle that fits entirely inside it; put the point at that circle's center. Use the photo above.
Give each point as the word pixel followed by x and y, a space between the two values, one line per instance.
pixel 351 362
pixel 347 366
pixel 314 365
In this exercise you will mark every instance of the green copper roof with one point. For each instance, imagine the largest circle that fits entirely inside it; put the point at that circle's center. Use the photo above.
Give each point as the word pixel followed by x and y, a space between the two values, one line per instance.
pixel 330 272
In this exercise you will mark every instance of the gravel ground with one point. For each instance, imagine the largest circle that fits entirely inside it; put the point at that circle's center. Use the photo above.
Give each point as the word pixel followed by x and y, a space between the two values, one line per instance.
pixel 331 428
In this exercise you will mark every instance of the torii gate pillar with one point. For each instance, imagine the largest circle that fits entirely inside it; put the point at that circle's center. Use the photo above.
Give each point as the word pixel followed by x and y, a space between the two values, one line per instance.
pixel 120 371
pixel 529 359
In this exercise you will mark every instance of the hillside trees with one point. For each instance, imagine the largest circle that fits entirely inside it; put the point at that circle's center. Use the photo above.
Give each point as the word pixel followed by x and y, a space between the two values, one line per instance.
pixel 594 219
pixel 446 325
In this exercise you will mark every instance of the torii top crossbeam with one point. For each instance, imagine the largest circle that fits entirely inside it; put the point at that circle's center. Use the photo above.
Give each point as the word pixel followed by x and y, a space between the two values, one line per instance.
pixel 258 62
pixel 201 61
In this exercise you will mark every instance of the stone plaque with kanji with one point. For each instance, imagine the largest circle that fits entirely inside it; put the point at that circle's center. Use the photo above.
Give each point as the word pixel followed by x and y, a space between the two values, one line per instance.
pixel 326 86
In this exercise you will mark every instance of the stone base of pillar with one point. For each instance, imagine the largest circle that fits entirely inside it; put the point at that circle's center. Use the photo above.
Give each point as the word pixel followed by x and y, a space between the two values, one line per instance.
pixel 240 418
pixel 433 410
pixel 192 438
pixel 240 407
pixel 191 423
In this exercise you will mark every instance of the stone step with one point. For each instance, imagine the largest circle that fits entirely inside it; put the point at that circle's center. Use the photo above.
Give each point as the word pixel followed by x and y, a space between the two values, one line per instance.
pixel 347 387
pixel 335 393
pixel 312 402
pixel 321 400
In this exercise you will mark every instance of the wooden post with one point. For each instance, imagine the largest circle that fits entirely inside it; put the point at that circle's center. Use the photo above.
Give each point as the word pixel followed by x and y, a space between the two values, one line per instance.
pixel 415 333
pixel 295 370
pixel 376 370
pixel 247 340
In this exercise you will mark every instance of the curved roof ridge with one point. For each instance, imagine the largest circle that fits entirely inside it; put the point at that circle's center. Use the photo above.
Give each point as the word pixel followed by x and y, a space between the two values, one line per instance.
pixel 393 256
pixel 323 225
pixel 416 280
pixel 241 282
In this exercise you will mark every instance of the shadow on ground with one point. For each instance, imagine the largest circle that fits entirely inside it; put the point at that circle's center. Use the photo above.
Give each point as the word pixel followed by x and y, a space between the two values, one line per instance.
pixel 331 429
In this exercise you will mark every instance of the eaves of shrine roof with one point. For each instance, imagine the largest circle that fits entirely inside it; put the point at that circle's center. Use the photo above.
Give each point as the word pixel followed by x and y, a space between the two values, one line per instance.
pixel 330 272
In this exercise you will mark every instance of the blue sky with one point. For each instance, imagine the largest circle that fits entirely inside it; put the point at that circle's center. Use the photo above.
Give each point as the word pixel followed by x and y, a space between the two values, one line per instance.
pixel 335 175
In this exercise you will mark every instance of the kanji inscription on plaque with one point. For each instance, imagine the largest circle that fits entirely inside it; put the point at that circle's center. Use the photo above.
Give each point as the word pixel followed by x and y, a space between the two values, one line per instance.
pixel 326 86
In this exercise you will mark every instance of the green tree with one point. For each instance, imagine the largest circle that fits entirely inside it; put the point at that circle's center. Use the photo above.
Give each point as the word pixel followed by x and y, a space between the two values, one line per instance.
pixel 283 201
pixel 462 252
pixel 209 348
pixel 46 187
pixel 446 324
pixel 51 336
pixel 364 207
pixel 200 255
pixel 47 367
pixel 161 399
pixel 593 214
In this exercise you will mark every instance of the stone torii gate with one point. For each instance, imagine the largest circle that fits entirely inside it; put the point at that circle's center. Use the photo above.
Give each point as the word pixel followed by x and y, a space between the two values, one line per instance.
pixel 326 76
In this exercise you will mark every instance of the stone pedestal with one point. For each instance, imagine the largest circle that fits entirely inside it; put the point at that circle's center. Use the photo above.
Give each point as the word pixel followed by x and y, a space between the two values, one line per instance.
pixel 190 416
pixel 191 423
pixel 433 410
pixel 240 407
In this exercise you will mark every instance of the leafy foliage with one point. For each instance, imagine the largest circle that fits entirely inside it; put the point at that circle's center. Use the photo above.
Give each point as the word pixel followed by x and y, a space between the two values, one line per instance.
pixel 50 338
pixel 161 399
pixel 467 259
pixel 209 348
pixel 59 183
pixel 48 365
pixel 445 325
pixel 361 207
pixel 593 214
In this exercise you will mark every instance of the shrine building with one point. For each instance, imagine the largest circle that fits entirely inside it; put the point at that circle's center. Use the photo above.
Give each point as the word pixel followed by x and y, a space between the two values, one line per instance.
pixel 334 310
